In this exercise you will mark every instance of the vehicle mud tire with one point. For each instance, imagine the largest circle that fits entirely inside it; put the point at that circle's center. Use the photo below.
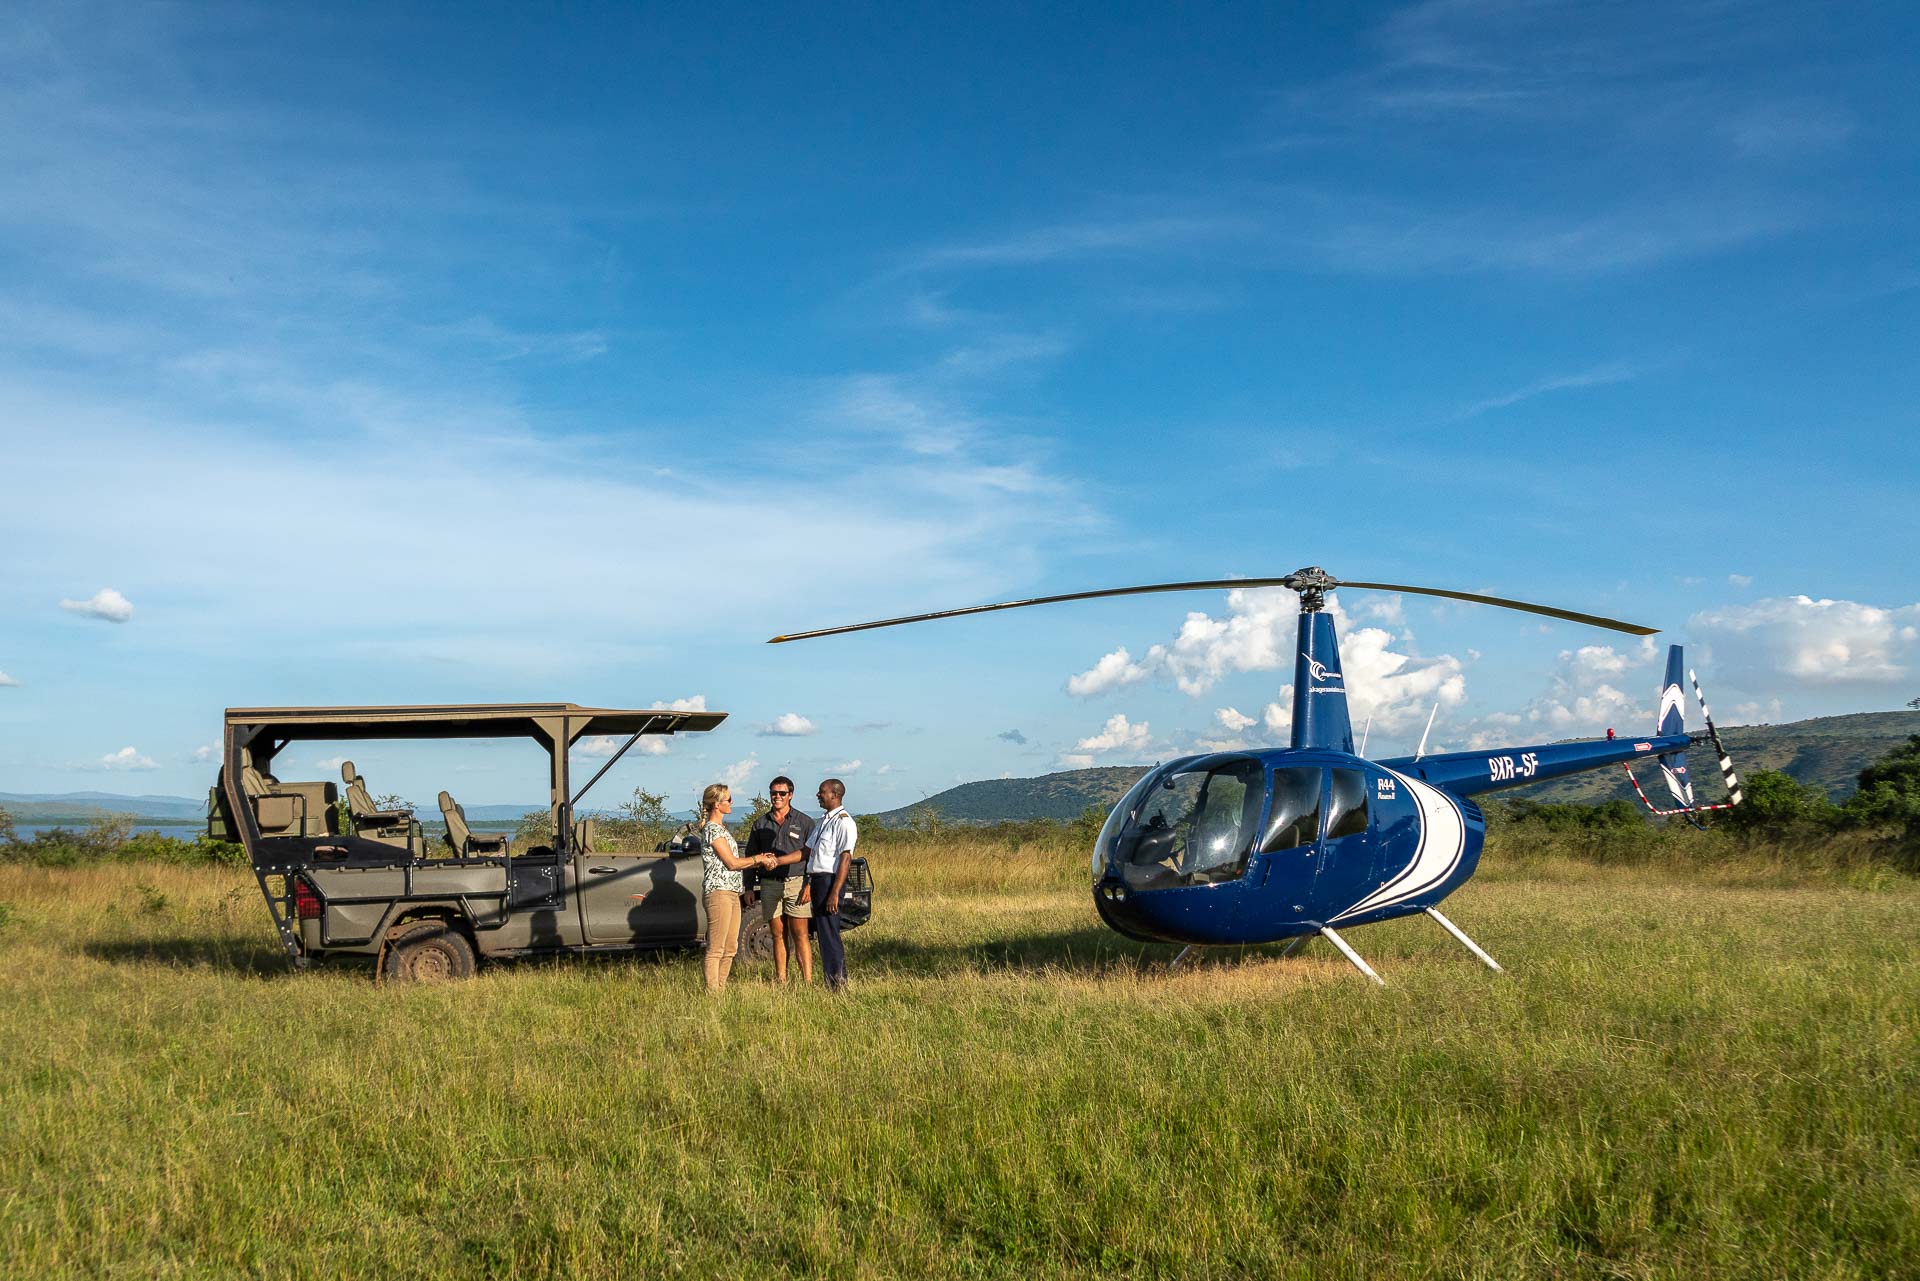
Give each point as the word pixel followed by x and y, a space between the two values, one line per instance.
pixel 756 938
pixel 432 951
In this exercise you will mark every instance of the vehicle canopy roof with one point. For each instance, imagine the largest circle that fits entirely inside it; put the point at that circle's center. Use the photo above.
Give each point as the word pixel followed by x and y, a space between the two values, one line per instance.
pixel 468 720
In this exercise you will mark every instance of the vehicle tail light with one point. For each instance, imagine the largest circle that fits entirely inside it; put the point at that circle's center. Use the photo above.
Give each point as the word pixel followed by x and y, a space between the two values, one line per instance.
pixel 306 904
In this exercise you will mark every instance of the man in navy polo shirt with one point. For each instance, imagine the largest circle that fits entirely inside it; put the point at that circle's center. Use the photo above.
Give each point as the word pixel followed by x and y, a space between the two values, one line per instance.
pixel 829 849
pixel 782 832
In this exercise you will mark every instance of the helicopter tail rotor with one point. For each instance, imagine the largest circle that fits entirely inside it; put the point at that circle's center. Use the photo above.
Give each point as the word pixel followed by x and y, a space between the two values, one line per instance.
pixel 1671 721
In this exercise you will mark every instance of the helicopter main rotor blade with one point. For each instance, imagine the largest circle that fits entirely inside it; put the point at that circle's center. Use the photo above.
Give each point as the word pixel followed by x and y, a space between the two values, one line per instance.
pixel 1200 585
pixel 1306 580
pixel 1592 620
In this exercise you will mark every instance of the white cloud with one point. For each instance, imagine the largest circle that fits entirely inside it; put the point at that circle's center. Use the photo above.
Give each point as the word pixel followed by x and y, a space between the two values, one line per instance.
pixel 127 758
pixel 331 763
pixel 1278 716
pixel 1231 719
pixel 1600 376
pixel 889 769
pixel 7 681
pixel 1076 760
pixel 599 745
pixel 1257 635
pixel 847 767
pixel 1396 689
pixel 106 604
pixel 1584 697
pixel 739 772
pixel 1112 672
pixel 1380 607
pixel 1813 642
pixel 1758 713
pixel 1740 580
pixel 698 703
pixel 787 725
pixel 201 755
pixel 1117 736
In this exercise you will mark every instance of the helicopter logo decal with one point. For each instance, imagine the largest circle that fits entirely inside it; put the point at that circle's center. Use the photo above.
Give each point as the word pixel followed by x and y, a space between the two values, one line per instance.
pixel 1318 668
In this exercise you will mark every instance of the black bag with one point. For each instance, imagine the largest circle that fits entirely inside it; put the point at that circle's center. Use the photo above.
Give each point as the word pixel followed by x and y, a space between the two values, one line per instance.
pixel 856 895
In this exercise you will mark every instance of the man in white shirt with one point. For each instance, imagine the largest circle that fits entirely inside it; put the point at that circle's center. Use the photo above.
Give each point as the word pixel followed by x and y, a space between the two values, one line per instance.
pixel 829 847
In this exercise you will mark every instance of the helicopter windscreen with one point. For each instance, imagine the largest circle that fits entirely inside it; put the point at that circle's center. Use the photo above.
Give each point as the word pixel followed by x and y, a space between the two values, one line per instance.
pixel 1192 826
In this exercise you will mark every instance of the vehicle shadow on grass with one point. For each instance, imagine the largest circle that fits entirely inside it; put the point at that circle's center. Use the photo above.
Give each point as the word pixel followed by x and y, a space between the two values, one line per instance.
pixel 232 953
pixel 1092 951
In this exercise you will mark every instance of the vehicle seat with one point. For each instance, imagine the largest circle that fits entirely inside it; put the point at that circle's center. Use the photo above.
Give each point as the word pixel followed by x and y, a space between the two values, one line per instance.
pixel 360 804
pixel 461 837
pixel 288 809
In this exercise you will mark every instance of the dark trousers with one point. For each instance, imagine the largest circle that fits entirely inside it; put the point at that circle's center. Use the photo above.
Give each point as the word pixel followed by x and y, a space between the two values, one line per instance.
pixel 826 928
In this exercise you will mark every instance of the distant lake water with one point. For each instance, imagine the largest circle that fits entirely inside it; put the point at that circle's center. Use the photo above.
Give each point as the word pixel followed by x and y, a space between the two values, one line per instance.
pixel 184 830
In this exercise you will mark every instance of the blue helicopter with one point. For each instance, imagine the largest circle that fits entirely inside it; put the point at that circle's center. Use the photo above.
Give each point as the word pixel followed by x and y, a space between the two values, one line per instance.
pixel 1287 843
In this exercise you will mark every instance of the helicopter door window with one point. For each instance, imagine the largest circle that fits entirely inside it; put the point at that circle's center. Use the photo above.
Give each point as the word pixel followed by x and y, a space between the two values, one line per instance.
pixel 1194 828
pixel 1347 815
pixel 1296 810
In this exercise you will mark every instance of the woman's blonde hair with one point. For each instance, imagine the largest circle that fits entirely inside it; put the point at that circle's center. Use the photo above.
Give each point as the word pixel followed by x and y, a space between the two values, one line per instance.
pixel 712 797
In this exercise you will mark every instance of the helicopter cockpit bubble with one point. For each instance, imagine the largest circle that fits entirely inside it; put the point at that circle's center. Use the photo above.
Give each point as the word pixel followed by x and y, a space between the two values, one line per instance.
pixel 1191 823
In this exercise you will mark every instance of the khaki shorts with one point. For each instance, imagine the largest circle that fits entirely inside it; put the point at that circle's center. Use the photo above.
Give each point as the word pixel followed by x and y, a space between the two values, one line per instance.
pixel 774 905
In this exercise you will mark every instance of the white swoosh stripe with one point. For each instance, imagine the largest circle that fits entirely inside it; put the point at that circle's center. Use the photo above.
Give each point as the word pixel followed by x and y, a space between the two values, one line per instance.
pixel 1443 839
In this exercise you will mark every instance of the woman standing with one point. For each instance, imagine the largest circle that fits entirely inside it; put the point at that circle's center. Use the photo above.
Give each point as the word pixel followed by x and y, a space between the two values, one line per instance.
pixel 721 883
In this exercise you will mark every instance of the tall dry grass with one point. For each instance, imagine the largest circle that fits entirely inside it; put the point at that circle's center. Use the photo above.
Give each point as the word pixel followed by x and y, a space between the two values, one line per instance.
pixel 1689 1070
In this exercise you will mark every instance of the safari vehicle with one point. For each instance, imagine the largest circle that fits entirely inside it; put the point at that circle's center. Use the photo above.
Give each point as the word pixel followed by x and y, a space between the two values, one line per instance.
pixel 371 882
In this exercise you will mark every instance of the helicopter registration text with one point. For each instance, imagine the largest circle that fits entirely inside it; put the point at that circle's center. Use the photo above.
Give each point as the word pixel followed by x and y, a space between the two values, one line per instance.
pixel 1502 768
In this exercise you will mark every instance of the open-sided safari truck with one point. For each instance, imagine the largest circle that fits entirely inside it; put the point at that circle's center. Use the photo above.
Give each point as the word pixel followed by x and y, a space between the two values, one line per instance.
pixel 370 882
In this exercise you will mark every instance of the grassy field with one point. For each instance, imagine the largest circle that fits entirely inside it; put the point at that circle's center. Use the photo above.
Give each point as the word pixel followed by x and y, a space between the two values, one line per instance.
pixel 1709 1068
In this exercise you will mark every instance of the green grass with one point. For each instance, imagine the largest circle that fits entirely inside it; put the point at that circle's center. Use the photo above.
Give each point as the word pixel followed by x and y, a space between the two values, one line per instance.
pixel 1700 1069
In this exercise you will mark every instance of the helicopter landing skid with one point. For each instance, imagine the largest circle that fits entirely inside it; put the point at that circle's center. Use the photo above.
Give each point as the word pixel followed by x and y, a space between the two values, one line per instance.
pixel 1460 934
pixel 1184 953
pixel 1351 955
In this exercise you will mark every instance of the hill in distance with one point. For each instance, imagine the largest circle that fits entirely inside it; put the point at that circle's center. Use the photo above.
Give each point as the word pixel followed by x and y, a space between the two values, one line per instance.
pixel 1827 752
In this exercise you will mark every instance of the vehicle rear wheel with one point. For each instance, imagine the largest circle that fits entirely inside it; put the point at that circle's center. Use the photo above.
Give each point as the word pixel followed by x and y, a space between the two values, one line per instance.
pixel 756 938
pixel 432 951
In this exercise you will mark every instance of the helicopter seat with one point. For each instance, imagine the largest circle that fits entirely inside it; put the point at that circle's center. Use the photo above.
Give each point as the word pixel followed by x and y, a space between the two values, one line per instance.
pixel 461 837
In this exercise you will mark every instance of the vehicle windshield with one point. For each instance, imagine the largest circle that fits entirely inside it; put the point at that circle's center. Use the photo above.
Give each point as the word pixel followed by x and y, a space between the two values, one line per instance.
pixel 1191 826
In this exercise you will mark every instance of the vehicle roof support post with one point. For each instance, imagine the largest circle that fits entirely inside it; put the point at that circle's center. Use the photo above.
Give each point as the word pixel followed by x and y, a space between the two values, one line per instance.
pixel 556 734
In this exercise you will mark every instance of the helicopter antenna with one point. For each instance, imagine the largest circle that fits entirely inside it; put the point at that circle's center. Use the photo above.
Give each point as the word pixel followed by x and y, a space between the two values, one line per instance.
pixel 1421 750
pixel 1313 584
pixel 1364 730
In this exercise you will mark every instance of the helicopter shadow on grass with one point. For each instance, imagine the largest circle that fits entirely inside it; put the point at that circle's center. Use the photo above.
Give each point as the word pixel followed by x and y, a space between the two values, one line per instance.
pixel 1092 951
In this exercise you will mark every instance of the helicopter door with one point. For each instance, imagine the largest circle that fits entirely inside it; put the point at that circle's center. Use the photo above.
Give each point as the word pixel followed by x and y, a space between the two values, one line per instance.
pixel 1282 875
pixel 1347 855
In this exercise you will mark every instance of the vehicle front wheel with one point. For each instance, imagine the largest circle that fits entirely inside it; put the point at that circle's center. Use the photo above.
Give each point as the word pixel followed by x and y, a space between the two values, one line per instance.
pixel 432 951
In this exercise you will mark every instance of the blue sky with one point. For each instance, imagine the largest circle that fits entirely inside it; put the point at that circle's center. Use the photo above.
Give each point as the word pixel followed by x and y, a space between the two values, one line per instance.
pixel 464 353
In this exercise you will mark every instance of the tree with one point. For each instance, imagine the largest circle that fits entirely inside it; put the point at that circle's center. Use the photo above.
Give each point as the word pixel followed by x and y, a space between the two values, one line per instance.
pixel 7 834
pixel 1889 792
pixel 1774 799
pixel 1914 703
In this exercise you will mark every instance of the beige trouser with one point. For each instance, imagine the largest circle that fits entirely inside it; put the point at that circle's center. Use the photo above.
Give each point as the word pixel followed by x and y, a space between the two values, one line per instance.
pixel 723 936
